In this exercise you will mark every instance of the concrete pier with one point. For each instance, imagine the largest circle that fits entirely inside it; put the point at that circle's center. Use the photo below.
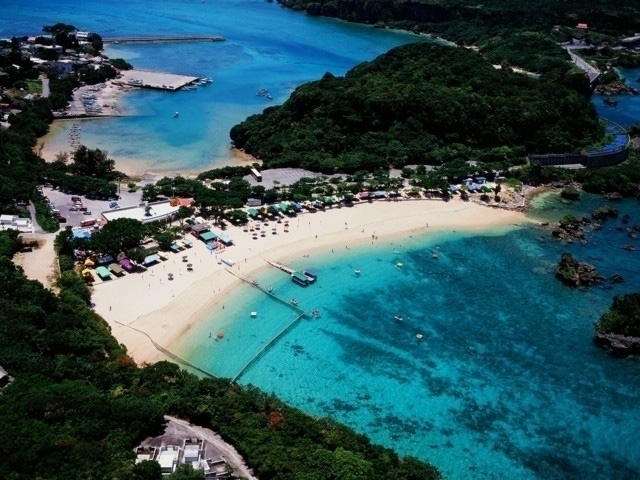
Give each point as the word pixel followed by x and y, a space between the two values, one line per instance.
pixel 158 80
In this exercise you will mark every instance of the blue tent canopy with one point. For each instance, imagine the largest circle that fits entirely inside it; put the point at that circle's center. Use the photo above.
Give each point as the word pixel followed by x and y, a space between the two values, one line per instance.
pixel 150 259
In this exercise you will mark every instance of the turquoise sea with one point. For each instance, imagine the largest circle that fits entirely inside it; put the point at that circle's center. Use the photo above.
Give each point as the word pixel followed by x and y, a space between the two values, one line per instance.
pixel 267 46
pixel 505 382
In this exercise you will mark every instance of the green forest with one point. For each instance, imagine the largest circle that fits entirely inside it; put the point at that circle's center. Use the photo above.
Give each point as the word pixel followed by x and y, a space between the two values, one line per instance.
pixel 423 104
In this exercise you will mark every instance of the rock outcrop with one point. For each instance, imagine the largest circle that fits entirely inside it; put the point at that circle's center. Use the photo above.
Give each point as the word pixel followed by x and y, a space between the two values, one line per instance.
pixel 576 274
pixel 618 344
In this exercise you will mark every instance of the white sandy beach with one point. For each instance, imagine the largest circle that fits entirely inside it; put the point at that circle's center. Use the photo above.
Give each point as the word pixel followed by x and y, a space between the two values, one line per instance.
pixel 147 306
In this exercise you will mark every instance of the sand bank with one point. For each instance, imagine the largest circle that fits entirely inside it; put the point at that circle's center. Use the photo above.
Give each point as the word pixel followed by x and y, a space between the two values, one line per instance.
pixel 147 310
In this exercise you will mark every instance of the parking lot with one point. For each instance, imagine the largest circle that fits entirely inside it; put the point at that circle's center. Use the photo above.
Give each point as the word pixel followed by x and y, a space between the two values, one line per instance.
pixel 64 203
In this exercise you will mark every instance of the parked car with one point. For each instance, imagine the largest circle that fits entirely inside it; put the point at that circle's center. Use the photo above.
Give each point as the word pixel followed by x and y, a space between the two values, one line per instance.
pixel 87 212
pixel 73 208
pixel 62 219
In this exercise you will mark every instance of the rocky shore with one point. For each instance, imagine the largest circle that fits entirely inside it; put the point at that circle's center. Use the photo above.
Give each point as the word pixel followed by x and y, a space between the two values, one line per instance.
pixel 577 274
pixel 618 344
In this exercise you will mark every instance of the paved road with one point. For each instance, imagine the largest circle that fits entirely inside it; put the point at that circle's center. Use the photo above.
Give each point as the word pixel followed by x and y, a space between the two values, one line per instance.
pixel 45 87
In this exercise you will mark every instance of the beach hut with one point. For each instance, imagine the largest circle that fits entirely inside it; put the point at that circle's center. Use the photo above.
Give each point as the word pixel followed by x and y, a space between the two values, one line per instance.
pixel 87 276
pixel 116 269
pixel 127 265
pixel 105 260
pixel 103 273
pixel 224 238
pixel 151 259
pixel 208 236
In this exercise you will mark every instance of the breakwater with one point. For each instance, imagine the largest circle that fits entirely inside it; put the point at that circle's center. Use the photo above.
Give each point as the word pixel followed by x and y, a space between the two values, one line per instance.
pixel 165 39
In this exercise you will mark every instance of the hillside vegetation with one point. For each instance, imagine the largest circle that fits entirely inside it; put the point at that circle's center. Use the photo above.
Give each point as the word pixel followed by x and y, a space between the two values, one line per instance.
pixel 422 104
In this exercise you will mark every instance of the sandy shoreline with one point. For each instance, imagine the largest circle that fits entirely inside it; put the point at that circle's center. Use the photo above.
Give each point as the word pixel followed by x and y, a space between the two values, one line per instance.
pixel 144 308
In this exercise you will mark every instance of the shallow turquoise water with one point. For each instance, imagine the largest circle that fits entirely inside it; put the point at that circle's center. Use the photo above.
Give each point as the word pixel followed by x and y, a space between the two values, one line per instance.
pixel 266 46
pixel 505 382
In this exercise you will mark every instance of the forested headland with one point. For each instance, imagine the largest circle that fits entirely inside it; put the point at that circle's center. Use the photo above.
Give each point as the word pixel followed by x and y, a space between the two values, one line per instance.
pixel 423 104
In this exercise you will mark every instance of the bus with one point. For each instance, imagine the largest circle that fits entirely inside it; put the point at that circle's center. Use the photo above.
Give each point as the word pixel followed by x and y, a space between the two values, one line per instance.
pixel 256 174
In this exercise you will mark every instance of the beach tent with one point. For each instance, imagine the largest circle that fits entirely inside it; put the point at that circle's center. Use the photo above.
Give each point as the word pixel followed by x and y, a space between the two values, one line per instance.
pixel 284 207
pixel 187 243
pixel 105 260
pixel 252 212
pixel 453 188
pixel 103 273
pixel 174 248
pixel 116 269
pixel 127 265
pixel 208 236
pixel 151 259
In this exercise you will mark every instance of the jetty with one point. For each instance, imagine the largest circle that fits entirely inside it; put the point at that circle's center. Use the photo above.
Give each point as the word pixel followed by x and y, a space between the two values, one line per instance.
pixel 279 266
pixel 300 313
pixel 165 39
pixel 305 278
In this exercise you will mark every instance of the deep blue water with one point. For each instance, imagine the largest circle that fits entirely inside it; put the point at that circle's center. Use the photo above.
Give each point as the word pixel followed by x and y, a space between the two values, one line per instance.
pixel 505 381
pixel 627 111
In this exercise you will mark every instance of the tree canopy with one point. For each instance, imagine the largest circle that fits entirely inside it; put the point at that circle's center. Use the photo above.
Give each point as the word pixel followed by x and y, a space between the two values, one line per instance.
pixel 420 104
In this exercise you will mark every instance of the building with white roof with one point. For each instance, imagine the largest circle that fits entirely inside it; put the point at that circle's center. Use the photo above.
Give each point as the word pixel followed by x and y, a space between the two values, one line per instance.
pixel 145 212
pixel 168 459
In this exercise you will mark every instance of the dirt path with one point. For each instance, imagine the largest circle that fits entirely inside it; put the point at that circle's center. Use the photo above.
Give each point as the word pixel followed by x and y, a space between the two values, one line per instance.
pixel 40 264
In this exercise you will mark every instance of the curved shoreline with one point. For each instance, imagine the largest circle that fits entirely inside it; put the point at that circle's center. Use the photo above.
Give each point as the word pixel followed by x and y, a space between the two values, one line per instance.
pixel 167 310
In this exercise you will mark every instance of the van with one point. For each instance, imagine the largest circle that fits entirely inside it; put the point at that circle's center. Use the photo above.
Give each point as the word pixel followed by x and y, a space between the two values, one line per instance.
pixel 55 212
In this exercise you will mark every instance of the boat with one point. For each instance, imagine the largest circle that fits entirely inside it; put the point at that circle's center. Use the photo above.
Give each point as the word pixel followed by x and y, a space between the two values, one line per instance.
pixel 220 335
pixel 398 318
pixel 176 115
pixel 357 271
pixel 434 256
pixel 270 289
pixel 254 282
pixel 399 264
pixel 419 336
pixel 294 302
pixel 315 313
pixel 254 314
